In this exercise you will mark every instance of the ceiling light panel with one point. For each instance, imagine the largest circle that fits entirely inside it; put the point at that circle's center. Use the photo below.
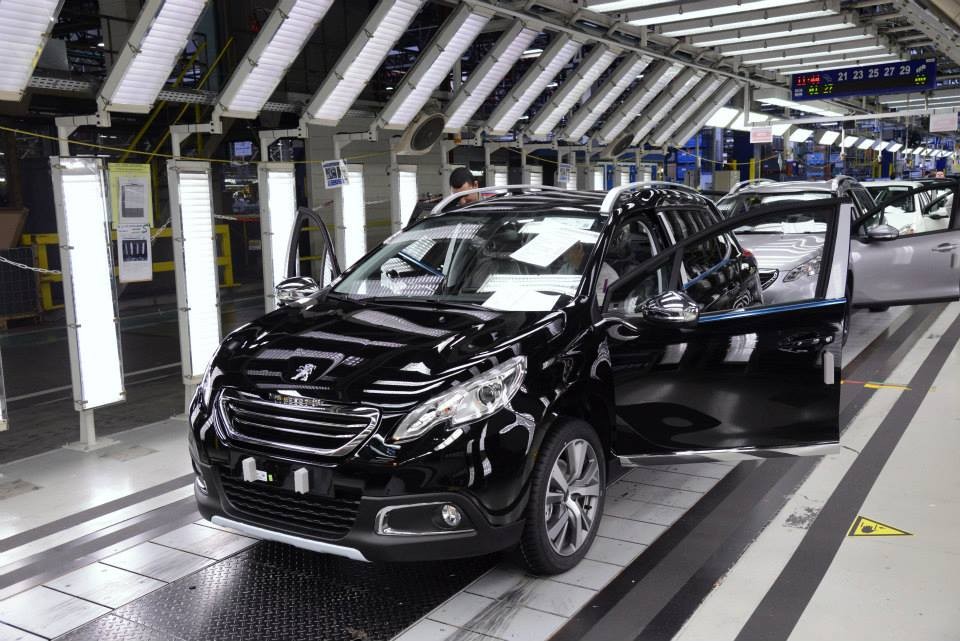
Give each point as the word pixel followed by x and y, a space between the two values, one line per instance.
pixel 781 98
pixel 940 94
pixel 697 9
pixel 360 60
pixel 849 141
pixel 722 117
pixel 800 134
pixel 505 53
pixel 795 41
pixel 840 48
pixel 760 18
pixel 678 113
pixel 555 57
pixel 621 78
pixel 658 108
pixel 754 119
pixel 844 60
pixel 620 5
pixel 881 145
pixel 827 137
pixel 706 111
pixel 278 44
pixel 433 66
pixel 146 61
pixel 655 81
pixel 769 32
pixel 563 100
pixel 866 143
pixel 839 64
pixel 25 26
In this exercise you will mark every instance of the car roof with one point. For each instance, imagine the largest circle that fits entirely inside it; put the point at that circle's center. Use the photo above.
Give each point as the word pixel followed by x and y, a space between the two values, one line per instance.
pixel 892 183
pixel 787 187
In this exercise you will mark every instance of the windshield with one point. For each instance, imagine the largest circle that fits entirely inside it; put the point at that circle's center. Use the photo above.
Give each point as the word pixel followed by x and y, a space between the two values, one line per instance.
pixel 797 224
pixel 895 193
pixel 501 260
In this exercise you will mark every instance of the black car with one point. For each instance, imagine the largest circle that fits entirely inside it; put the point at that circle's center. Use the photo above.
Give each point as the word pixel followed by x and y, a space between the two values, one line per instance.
pixel 467 385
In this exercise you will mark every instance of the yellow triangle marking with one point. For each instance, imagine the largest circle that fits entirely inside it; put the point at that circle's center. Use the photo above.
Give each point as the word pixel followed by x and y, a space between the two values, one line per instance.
pixel 863 526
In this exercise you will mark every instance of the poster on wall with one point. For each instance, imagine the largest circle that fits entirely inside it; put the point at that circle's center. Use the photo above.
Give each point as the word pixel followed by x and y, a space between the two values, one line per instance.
pixel 943 121
pixel 335 174
pixel 131 199
pixel 134 256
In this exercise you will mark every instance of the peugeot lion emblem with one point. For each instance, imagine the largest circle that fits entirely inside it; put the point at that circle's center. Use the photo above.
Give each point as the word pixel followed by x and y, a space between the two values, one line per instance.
pixel 304 372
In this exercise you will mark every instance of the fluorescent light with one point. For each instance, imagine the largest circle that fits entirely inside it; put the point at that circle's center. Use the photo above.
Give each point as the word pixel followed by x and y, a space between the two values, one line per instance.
pixel 571 181
pixel 533 175
pixel 840 64
pixel 781 128
pixel 529 54
pixel 488 74
pixel 895 147
pixel 881 145
pixel 827 137
pixel 716 38
pixel 755 118
pixel 278 215
pixel 849 141
pixel 852 59
pixel 600 178
pixel 350 215
pixel 623 174
pixel 622 77
pixel 683 107
pixel 705 112
pixel 800 134
pixel 619 5
pixel 722 118
pixel 403 191
pixel 939 94
pixel 557 54
pixel 659 76
pixel 775 57
pixel 563 100
pixel 658 108
pixel 195 260
pixel 908 150
pixel 83 225
pixel 748 19
pixel 24 30
pixel 277 45
pixel 803 40
pixel 781 98
pixel 156 40
pixel 360 60
pixel 866 143
pixel 698 9
pixel 433 66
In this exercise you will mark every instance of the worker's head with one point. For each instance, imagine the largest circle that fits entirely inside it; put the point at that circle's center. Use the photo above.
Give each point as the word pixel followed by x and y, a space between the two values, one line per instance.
pixel 462 180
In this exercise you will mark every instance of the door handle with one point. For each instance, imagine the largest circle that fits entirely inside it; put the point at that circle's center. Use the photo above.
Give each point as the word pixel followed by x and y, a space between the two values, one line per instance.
pixel 803 342
pixel 945 247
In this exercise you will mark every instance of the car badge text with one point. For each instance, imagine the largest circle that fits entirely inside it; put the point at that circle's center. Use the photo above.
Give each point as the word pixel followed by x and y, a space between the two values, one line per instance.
pixel 303 372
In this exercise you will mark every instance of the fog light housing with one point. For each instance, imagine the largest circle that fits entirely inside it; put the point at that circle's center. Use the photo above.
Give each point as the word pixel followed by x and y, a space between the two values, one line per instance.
pixel 201 484
pixel 451 515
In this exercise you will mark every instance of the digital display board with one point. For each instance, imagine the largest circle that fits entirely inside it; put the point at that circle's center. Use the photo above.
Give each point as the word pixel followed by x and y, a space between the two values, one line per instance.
pixel 893 77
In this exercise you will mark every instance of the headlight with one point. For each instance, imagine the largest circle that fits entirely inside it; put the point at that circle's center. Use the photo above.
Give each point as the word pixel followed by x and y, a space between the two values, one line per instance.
pixel 477 398
pixel 205 388
pixel 806 269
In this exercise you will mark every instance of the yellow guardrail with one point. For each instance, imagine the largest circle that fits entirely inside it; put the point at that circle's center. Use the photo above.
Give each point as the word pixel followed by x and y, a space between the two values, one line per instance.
pixel 42 242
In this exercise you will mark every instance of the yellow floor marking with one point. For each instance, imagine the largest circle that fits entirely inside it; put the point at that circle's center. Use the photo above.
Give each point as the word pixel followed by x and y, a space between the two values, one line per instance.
pixel 863 526
pixel 883 386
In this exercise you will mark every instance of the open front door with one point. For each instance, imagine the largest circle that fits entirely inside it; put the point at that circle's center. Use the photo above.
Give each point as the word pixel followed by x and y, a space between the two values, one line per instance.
pixel 907 249
pixel 311 250
pixel 706 367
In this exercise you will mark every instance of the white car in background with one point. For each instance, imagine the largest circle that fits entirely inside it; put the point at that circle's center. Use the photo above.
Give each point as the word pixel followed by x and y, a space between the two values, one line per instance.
pixel 910 215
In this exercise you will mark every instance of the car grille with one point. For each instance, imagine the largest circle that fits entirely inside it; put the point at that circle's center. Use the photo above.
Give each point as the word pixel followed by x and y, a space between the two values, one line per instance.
pixel 768 277
pixel 272 426
pixel 323 517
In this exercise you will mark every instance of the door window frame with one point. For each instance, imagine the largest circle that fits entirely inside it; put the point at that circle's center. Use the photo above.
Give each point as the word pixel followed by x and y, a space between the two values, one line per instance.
pixel 856 229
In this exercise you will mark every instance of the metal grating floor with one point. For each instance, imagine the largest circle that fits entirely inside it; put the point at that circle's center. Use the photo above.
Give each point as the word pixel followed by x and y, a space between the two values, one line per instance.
pixel 274 591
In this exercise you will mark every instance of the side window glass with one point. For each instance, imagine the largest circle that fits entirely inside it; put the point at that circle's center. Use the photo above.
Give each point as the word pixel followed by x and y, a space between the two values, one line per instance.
pixel 630 246
pixel 627 300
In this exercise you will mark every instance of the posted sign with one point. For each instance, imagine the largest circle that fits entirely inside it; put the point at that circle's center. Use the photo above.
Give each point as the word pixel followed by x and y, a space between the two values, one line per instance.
pixel 759 135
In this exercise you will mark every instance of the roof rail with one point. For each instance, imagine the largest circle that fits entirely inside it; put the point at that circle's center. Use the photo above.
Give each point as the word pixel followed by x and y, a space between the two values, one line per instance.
pixel 746 183
pixel 614 194
pixel 438 208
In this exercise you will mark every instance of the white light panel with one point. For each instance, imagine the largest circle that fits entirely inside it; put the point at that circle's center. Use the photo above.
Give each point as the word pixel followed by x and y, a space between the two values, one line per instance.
pixel 557 54
pixel 677 114
pixel 278 44
pixel 500 176
pixel 147 60
pixel 655 81
pixel 360 60
pixel 895 147
pixel 572 89
pixel 791 56
pixel 793 42
pixel 488 74
pixel 278 214
pixel 781 98
pixel 780 129
pixel 706 111
pixel 755 118
pixel 866 143
pixel 25 26
pixel 571 185
pixel 665 101
pixel 881 145
pixel 626 72
pixel 407 191
pixel 830 62
pixel 195 259
pixel 623 171
pixel 621 5
pixel 534 175
pixel 433 66
pixel 716 38
pixel 849 141
pixel 748 19
pixel 841 64
pixel 352 227
pixel 699 9
pixel 908 150
pixel 599 178
pixel 828 137
pixel 722 118
pixel 800 134
pixel 83 225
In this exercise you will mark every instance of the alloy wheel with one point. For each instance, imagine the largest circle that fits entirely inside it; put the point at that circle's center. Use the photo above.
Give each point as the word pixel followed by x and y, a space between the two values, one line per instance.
pixel 573 493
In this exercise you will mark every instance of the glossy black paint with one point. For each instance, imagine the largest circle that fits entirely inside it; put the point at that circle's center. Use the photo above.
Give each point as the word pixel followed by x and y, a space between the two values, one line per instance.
pixel 612 371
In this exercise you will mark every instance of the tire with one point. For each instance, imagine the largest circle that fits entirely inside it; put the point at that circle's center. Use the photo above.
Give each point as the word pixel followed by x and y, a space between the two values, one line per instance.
pixel 878 308
pixel 570 440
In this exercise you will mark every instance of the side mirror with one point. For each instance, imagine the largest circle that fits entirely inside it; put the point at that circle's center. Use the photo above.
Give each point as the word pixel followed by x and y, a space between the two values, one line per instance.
pixel 883 232
pixel 296 290
pixel 670 308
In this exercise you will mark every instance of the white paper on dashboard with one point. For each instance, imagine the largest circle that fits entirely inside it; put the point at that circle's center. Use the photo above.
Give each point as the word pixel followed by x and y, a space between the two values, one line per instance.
pixel 520 299
pixel 550 244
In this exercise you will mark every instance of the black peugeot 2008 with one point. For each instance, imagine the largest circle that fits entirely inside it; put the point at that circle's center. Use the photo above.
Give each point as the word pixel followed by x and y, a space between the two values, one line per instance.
pixel 454 392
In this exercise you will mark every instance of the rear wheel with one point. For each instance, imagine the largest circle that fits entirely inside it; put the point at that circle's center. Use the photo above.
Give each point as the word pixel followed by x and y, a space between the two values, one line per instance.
pixel 566 499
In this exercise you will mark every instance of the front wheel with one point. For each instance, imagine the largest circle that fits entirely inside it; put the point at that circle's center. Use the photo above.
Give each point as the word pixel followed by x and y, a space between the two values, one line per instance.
pixel 566 499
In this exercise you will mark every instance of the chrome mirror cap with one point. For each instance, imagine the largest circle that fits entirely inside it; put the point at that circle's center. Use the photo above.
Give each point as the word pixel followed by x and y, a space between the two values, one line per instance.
pixel 670 308
pixel 296 290
pixel 883 232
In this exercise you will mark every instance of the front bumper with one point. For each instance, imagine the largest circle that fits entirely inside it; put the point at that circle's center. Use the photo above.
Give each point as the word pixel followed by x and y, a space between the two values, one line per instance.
pixel 476 536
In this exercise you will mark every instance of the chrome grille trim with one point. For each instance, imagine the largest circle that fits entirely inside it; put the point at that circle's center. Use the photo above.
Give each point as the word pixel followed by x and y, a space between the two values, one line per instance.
pixel 236 406
pixel 768 277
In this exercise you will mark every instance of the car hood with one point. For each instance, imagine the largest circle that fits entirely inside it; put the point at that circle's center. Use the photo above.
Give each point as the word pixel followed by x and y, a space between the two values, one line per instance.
pixel 390 354
pixel 782 251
